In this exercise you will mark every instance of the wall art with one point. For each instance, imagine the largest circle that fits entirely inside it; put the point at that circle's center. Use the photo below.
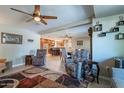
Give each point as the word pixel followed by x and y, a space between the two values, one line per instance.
pixel 9 38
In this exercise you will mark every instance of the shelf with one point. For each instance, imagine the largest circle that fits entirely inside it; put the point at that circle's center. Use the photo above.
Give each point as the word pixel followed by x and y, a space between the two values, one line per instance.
pixel 111 31
pixel 102 34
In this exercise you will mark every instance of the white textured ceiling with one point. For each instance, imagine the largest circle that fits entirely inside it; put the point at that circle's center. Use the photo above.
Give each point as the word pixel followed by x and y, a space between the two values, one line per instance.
pixel 65 13
pixel 108 10
pixel 77 32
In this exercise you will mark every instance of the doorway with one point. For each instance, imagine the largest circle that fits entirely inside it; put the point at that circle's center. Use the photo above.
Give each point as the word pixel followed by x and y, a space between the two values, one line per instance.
pixel 51 45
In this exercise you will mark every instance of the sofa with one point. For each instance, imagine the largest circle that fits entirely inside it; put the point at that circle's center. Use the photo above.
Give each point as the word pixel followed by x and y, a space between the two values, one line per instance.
pixel 118 77
pixel 2 65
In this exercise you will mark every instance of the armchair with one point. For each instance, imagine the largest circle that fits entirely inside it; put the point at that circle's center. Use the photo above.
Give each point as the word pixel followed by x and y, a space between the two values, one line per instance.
pixel 40 58
pixel 75 66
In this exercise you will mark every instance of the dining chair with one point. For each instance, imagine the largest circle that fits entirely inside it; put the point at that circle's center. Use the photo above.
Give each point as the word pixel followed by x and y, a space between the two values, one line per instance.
pixel 64 55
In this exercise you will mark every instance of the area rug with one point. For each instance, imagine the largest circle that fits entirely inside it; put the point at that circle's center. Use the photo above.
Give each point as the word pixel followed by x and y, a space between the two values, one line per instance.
pixel 52 75
pixel 71 82
pixel 47 73
pixel 49 84
pixel 44 78
pixel 17 76
pixel 34 71
pixel 8 83
pixel 31 82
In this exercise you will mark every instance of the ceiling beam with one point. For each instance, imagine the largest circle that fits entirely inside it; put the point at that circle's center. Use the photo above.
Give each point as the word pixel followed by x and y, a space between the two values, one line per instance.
pixel 68 26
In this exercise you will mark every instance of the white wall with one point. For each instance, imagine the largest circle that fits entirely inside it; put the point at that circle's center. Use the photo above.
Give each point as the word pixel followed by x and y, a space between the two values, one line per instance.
pixel 16 52
pixel 107 47
pixel 86 43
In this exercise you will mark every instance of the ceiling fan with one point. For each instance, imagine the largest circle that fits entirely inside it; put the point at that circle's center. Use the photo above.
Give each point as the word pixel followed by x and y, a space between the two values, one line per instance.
pixel 36 15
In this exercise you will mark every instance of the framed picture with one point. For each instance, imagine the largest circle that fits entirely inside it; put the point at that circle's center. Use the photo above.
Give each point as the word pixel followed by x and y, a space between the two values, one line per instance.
pixel 114 29
pixel 121 21
pixel 8 38
pixel 80 42
pixel 119 36
pixel 97 27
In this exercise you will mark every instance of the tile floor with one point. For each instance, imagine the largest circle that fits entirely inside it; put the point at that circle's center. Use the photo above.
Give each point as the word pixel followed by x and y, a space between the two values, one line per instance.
pixel 52 62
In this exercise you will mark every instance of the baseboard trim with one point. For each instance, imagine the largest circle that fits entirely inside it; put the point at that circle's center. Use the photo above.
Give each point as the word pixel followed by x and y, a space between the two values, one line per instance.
pixel 18 65
pixel 103 77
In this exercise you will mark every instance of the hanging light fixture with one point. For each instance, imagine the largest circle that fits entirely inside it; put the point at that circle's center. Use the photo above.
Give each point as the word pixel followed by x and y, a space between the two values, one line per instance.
pixel 70 37
pixel 66 37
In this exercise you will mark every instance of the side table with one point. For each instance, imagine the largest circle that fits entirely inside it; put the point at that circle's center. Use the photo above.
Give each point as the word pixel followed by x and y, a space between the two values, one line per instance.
pixel 28 59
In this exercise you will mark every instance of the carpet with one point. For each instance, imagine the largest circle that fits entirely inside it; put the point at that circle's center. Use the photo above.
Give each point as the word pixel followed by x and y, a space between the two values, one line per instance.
pixel 71 82
pixel 49 84
pixel 34 71
pixel 37 77
pixel 51 75
pixel 31 82
pixel 17 76
pixel 8 83
pixel 44 78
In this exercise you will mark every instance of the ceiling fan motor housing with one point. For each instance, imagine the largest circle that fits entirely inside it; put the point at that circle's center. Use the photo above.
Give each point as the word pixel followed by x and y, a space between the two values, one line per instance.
pixel 36 14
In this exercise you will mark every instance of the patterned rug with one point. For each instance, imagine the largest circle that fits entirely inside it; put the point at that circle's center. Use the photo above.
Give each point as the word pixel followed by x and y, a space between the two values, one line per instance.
pixel 49 84
pixel 71 82
pixel 8 83
pixel 52 75
pixel 31 82
pixel 35 70
pixel 17 76
pixel 40 77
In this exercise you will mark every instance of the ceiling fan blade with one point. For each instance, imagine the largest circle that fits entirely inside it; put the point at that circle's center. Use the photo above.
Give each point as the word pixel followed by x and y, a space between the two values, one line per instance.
pixel 29 20
pixel 21 11
pixel 43 21
pixel 37 23
pixel 48 17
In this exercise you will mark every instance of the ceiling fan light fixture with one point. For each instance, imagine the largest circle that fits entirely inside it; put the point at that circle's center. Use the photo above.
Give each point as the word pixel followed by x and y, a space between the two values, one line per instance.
pixel 66 37
pixel 36 15
pixel 37 19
